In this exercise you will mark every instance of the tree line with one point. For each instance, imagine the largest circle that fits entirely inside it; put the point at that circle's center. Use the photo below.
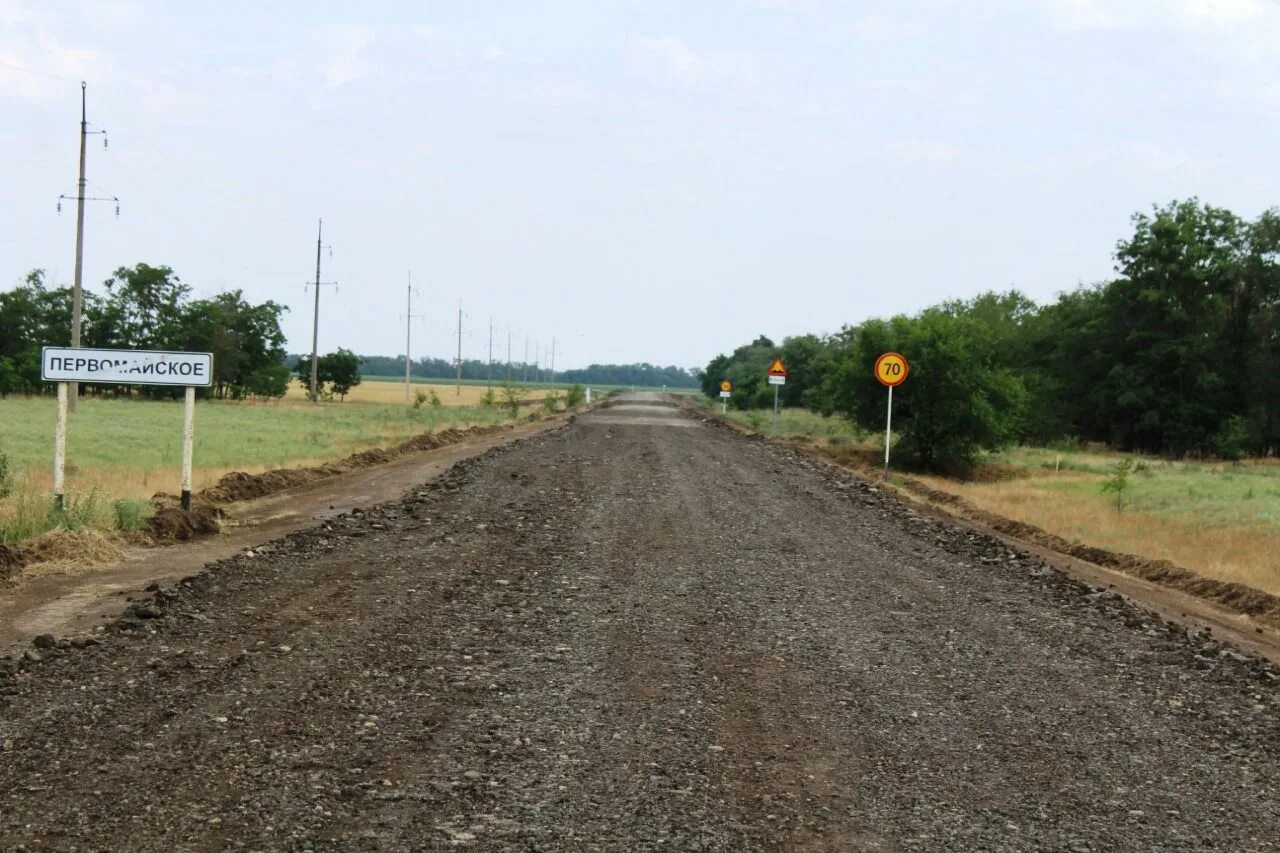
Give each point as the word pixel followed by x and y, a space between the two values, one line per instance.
pixel 1179 354
pixel 145 307
pixel 649 375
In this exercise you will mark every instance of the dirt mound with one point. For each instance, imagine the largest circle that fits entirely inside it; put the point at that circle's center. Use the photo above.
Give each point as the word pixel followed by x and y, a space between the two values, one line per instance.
pixel 239 486
pixel 174 524
pixel 12 559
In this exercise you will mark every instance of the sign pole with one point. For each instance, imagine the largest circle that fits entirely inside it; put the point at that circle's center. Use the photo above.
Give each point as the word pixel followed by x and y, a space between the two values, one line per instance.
pixel 888 426
pixel 60 449
pixel 188 436
pixel 775 411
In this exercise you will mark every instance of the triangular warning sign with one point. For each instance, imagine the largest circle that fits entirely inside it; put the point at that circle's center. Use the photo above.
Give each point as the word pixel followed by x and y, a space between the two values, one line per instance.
pixel 778 369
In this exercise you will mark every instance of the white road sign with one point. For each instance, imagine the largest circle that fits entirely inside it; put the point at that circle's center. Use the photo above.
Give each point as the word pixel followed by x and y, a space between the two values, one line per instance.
pixel 777 380
pixel 126 367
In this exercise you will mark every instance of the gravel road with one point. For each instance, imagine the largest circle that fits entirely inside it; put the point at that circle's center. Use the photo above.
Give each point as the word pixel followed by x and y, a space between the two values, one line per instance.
pixel 638 632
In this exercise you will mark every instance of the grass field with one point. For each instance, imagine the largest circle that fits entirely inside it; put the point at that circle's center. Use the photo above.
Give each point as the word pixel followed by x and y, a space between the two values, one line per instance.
pixel 1221 520
pixel 120 452
pixel 388 392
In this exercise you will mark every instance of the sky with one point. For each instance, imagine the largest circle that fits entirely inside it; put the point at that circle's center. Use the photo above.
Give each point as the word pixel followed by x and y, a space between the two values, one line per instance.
pixel 640 180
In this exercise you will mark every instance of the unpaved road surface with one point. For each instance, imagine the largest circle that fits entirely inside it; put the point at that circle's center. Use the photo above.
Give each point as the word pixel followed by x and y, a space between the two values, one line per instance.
pixel 639 632
pixel 66 603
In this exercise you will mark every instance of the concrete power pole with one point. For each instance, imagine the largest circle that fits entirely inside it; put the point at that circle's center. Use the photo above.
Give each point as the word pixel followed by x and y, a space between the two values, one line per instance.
pixel 77 291
pixel 459 347
pixel 508 355
pixel 315 319
pixel 409 317
pixel 526 358
pixel 553 361
pixel 490 354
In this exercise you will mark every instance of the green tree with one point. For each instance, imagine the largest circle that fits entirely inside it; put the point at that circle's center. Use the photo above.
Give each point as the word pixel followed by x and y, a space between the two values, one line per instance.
pixel 341 371
pixel 957 401
pixel 245 340
pixel 267 382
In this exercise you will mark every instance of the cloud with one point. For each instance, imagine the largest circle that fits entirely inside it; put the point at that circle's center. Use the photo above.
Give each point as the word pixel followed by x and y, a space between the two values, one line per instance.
pixel 1186 15
pixel 681 65
pixel 343 50
pixel 916 150
pixel 883 29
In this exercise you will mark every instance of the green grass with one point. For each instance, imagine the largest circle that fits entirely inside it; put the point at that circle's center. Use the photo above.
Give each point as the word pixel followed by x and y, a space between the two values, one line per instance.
pixel 792 423
pixel 128 434
pixel 120 452
pixel 1205 493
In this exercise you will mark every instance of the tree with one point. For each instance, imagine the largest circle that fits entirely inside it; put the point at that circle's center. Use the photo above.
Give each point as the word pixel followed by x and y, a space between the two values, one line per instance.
pixel 341 370
pixel 245 340
pixel 267 382
pixel 958 400
pixel 32 315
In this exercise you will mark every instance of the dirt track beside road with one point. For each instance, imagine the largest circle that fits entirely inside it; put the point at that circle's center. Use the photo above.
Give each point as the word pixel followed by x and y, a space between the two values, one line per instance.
pixel 639 632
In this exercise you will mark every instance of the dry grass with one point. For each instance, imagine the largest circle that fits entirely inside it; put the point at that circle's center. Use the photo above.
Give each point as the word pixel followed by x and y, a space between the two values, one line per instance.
pixel 60 552
pixel 1241 552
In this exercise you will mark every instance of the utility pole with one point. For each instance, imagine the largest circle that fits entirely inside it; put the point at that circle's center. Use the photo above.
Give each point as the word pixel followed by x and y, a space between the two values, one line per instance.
pixel 315 320
pixel 77 292
pixel 553 361
pixel 409 317
pixel 526 358
pixel 490 353
pixel 508 355
pixel 459 347
pixel 537 361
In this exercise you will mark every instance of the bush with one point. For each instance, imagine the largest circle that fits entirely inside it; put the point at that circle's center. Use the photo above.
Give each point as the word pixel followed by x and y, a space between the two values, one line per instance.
pixel 128 515
pixel 575 395
pixel 511 397
pixel 551 402
pixel 489 399
pixel 1118 482
pixel 434 399
pixel 419 397
pixel 1231 440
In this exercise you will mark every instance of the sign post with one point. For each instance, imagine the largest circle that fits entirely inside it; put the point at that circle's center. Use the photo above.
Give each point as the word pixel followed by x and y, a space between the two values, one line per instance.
pixel 891 369
pixel 777 378
pixel 124 367
pixel 60 448
pixel 726 391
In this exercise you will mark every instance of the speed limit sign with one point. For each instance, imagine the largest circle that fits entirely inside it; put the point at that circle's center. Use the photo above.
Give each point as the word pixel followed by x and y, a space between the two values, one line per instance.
pixel 892 369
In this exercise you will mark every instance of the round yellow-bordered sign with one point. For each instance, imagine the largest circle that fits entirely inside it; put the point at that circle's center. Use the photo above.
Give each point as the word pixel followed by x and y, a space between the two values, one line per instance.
pixel 726 385
pixel 892 369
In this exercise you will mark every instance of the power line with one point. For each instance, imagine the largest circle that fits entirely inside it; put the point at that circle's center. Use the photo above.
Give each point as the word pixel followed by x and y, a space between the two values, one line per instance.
pixel 40 73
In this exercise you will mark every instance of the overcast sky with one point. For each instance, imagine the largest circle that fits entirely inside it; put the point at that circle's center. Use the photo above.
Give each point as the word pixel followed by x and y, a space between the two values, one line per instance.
pixel 645 181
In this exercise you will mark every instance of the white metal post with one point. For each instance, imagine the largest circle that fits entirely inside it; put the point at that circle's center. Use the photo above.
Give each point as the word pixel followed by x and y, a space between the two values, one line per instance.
pixel 888 421
pixel 188 436
pixel 60 449
pixel 775 410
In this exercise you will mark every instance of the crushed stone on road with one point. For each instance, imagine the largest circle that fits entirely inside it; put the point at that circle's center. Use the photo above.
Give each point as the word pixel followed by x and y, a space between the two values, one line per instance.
pixel 621 635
